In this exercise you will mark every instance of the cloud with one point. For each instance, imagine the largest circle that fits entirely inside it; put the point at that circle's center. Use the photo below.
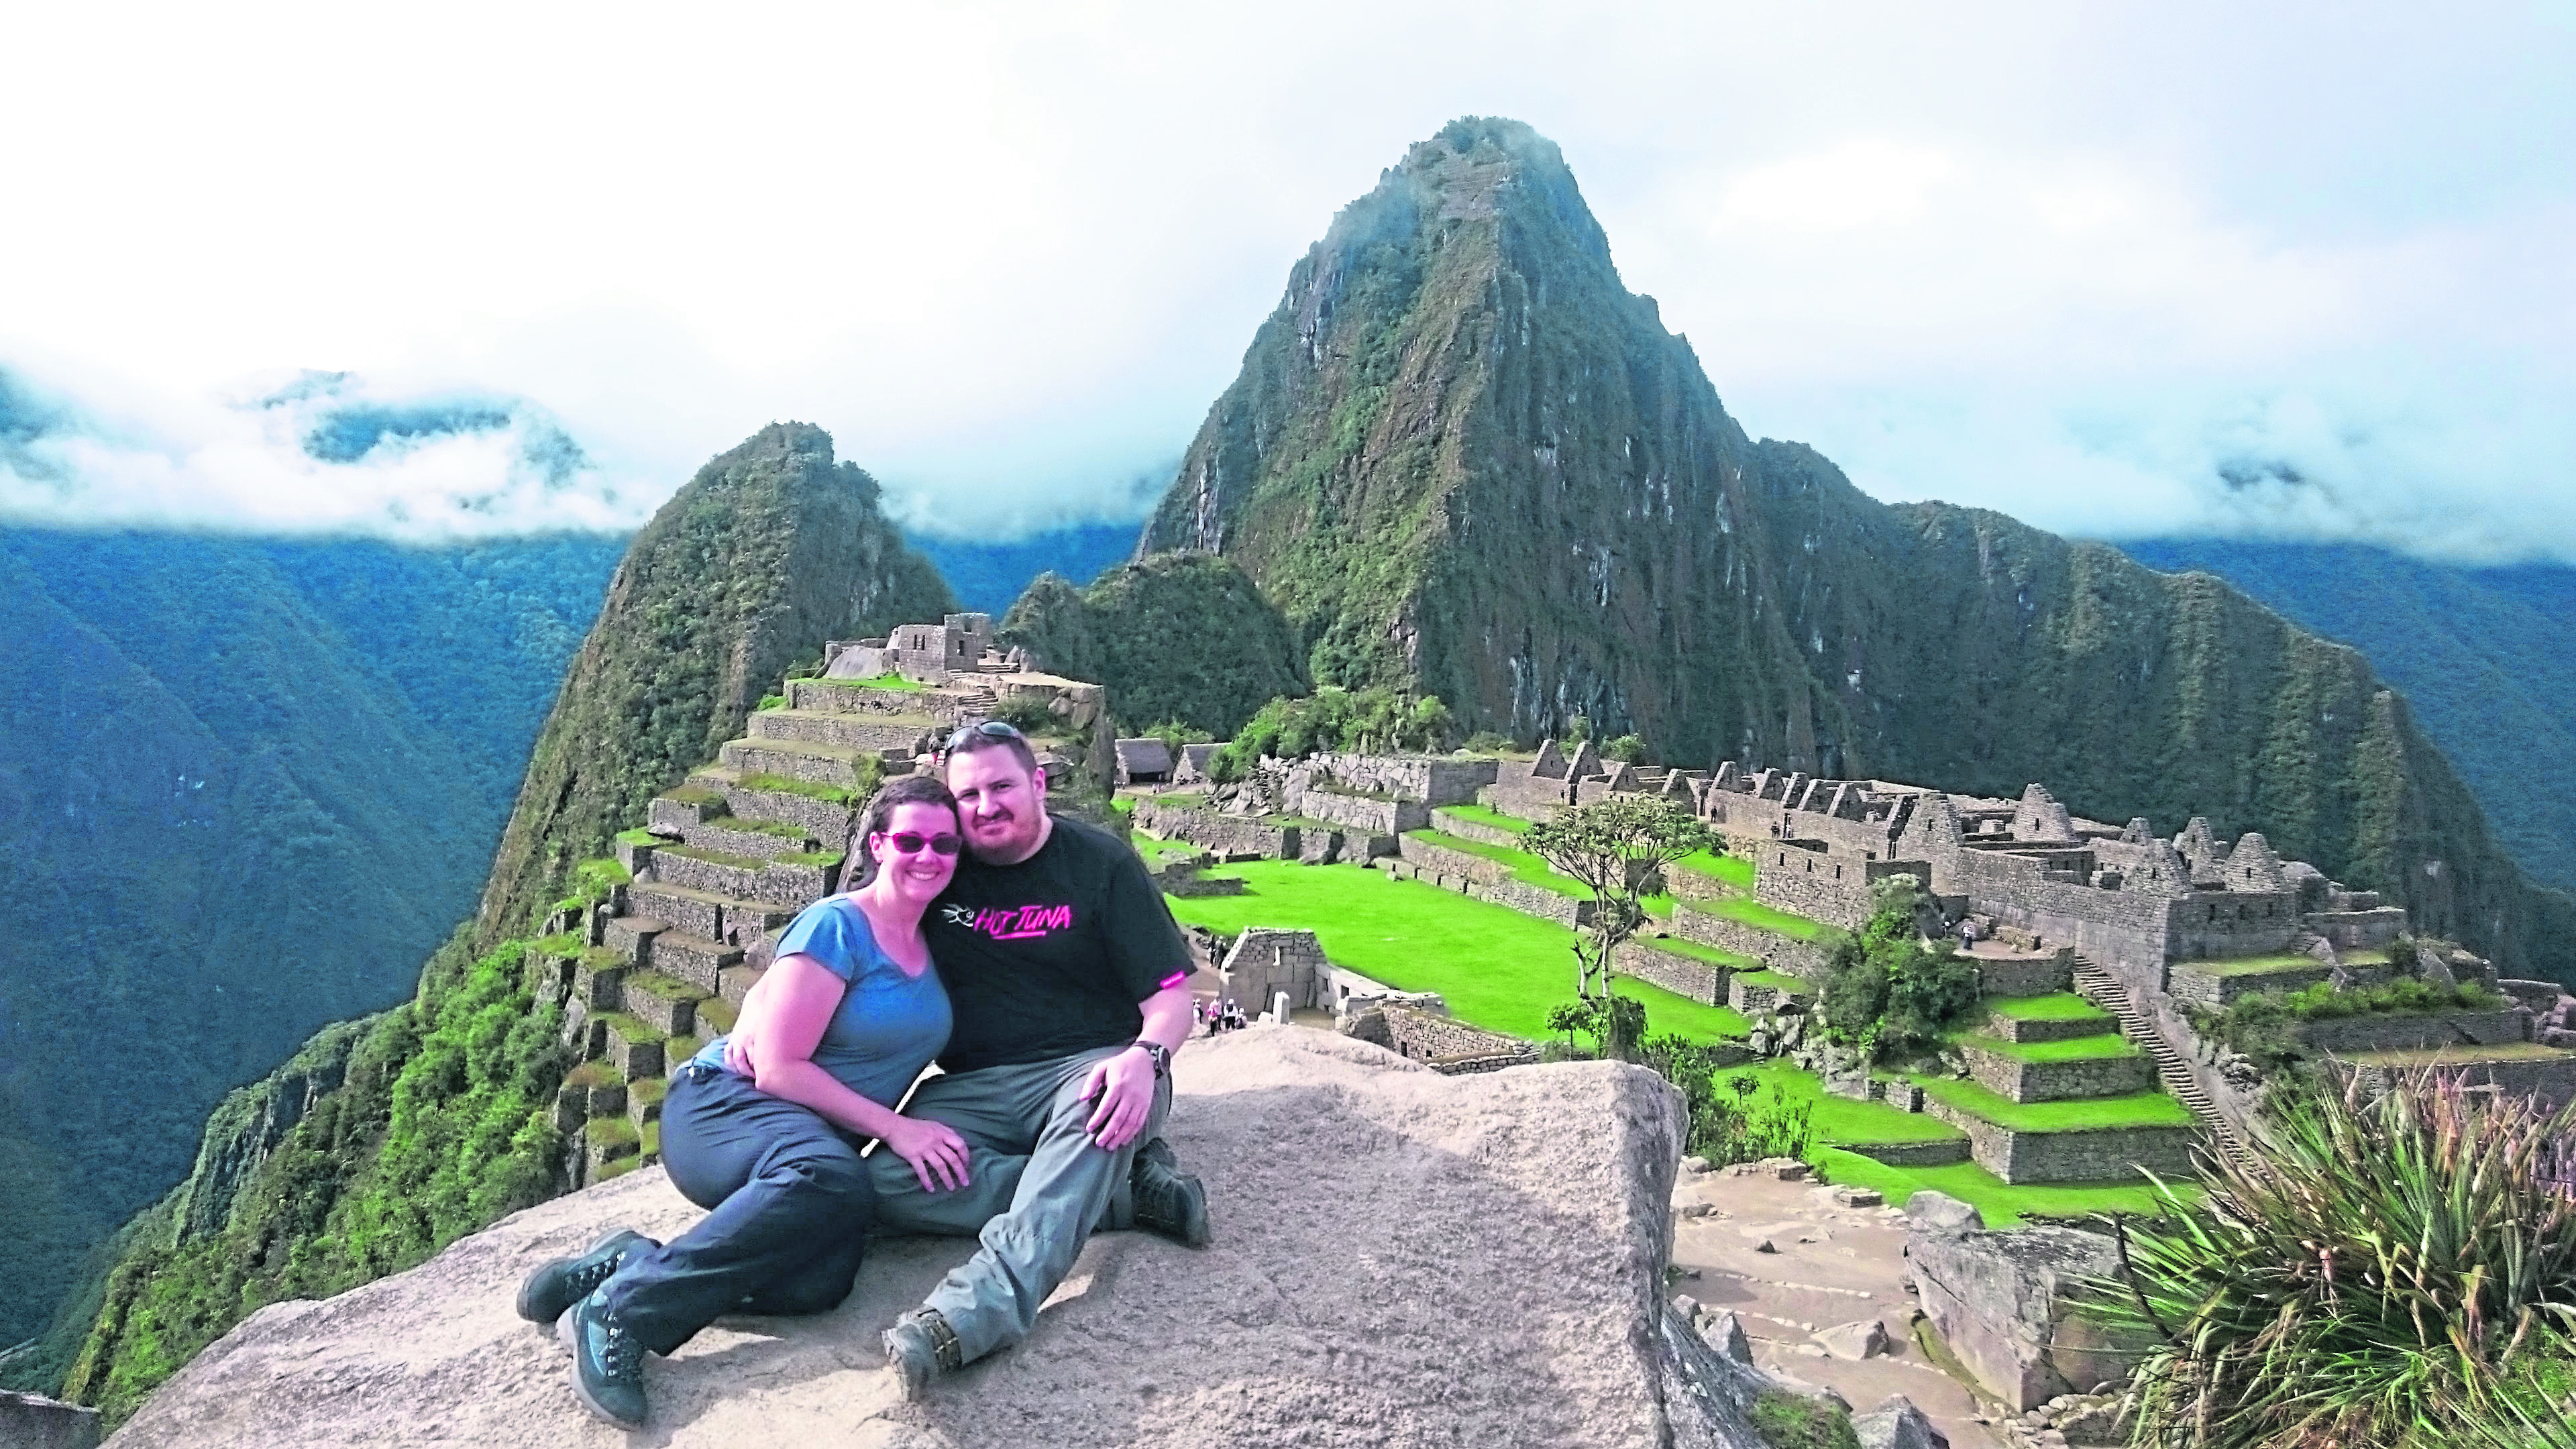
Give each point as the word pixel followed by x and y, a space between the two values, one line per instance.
pixel 321 453
pixel 2082 264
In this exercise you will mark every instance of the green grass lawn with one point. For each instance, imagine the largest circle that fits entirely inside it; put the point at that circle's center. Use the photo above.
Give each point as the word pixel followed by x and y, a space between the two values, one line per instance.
pixel 1754 913
pixel 1840 1119
pixel 2076 1049
pixel 1484 816
pixel 888 681
pixel 2138 1109
pixel 2000 1203
pixel 1734 870
pixel 2254 965
pixel 1497 968
pixel 2056 1006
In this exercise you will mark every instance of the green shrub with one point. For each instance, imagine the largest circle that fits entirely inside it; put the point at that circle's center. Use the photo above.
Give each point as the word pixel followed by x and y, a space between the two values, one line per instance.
pixel 1885 989
pixel 1787 1421
pixel 2390 1272
pixel 773 701
pixel 1486 742
pixel 1627 749
pixel 1376 718
pixel 2264 1025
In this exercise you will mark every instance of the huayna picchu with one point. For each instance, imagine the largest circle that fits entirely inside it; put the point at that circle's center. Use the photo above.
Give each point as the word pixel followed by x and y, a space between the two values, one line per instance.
pixel 1465 461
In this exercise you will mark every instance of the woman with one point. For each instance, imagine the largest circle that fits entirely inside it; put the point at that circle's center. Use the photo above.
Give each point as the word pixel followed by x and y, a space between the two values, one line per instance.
pixel 847 1016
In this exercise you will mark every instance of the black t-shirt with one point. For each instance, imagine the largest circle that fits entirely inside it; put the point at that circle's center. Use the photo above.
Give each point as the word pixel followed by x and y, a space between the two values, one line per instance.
pixel 1051 956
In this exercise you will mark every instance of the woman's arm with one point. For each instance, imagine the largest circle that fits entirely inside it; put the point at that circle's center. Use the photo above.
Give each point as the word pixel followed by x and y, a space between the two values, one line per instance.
pixel 782 1020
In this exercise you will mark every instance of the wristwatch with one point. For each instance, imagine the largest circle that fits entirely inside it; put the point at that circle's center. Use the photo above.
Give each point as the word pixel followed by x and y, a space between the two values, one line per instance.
pixel 1161 1054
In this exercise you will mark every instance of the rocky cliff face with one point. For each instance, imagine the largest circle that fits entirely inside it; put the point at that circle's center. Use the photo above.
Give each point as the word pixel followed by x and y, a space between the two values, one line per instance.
pixel 770 550
pixel 1463 458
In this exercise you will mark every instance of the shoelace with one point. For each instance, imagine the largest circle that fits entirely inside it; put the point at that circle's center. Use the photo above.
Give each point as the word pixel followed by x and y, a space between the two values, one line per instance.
pixel 621 1356
pixel 586 1279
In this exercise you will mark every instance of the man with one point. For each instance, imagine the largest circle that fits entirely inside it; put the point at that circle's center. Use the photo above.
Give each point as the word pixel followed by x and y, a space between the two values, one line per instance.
pixel 1069 981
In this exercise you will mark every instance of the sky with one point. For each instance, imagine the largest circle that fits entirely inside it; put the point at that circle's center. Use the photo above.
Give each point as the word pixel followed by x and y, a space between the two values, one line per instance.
pixel 2119 270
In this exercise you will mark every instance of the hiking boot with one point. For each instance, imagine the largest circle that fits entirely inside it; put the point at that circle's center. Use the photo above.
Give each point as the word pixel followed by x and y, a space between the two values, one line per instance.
pixel 545 1293
pixel 920 1347
pixel 607 1363
pixel 1168 1201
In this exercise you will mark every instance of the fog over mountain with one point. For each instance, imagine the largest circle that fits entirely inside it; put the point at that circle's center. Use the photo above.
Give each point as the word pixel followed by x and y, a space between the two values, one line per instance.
pixel 2124 271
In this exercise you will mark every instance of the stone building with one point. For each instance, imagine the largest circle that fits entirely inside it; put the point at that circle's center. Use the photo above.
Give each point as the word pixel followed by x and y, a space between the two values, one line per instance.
pixel 923 653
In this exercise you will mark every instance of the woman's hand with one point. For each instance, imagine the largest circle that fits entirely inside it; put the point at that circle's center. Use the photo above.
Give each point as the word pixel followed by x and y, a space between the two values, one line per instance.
pixel 933 1148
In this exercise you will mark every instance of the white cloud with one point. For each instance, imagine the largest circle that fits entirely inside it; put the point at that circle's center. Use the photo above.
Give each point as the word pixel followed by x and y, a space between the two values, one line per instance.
pixel 2067 263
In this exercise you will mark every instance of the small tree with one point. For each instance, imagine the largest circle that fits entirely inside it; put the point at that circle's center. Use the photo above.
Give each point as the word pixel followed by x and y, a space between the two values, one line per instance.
pixel 1614 846
pixel 1627 750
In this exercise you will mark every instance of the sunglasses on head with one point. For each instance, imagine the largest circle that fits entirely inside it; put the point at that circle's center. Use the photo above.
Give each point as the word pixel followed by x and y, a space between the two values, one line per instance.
pixel 991 729
pixel 911 842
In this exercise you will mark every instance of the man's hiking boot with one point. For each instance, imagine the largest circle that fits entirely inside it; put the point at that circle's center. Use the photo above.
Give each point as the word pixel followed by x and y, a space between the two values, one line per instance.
pixel 1168 1201
pixel 607 1363
pixel 920 1347
pixel 553 1287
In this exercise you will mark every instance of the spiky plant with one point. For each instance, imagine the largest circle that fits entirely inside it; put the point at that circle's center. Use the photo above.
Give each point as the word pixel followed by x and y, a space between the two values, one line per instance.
pixel 2383 1272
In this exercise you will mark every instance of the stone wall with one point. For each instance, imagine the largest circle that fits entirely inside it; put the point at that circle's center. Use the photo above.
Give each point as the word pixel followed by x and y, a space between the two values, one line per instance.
pixel 1785 954
pixel 2022 975
pixel 1438 1041
pixel 1224 834
pixel 1686 976
pixel 2358 930
pixel 1266 960
pixel 1433 857
pixel 1752 998
pixel 1824 886
pixel 1431 779
pixel 2348 1034
pixel 2217 924
pixel 2552 1079
pixel 1539 901
pixel 1380 817
pixel 2122 931
pixel 1452 823
pixel 2061 1080
pixel 2111 1154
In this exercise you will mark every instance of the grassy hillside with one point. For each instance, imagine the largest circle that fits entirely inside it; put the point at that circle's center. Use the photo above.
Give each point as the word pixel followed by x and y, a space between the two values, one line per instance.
pixel 1463 459
pixel 1177 637
pixel 2481 653
pixel 211 748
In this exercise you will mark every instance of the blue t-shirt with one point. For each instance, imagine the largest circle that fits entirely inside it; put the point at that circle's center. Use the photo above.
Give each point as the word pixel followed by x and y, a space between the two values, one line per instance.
pixel 888 1025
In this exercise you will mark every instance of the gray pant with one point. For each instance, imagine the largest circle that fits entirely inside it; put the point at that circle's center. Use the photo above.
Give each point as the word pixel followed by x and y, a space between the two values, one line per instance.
pixel 1039 1186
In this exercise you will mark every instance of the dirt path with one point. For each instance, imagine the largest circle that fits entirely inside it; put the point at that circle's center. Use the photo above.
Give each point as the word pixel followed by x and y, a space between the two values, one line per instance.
pixel 1830 1266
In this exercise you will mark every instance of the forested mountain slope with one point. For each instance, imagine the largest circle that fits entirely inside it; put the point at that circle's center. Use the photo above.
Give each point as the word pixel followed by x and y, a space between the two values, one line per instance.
pixel 1463 458
pixel 384 1140
pixel 2483 654
pixel 989 576
pixel 249 785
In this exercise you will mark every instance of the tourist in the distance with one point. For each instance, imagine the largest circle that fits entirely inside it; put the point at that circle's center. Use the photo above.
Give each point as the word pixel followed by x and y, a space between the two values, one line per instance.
pixel 849 1013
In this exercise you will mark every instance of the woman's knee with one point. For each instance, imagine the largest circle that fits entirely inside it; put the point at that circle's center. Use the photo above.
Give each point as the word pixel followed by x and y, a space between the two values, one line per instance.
pixel 831 1169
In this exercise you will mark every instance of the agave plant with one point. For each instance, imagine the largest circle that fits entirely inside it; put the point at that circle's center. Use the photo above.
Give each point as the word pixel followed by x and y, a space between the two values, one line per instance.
pixel 2394 1270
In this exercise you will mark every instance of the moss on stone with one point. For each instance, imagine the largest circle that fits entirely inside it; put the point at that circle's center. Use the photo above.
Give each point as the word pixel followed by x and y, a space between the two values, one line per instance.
pixel 715 857
pixel 641 836
pixel 613 1136
pixel 646 1091
pixel 784 785
pixel 669 988
pixel 628 1028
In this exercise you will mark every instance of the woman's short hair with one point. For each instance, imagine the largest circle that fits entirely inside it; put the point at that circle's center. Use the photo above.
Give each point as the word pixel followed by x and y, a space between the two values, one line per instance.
pixel 861 863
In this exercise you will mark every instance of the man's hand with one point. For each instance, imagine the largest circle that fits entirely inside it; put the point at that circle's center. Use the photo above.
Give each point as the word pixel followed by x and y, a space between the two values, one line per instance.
pixel 936 1152
pixel 1124 1086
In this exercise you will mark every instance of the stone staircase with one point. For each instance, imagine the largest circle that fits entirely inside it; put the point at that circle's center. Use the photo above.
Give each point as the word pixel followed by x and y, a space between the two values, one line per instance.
pixel 2105 990
pixel 656 964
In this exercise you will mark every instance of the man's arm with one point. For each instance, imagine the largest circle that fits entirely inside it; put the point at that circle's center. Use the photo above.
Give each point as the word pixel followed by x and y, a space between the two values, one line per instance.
pixel 1125 1083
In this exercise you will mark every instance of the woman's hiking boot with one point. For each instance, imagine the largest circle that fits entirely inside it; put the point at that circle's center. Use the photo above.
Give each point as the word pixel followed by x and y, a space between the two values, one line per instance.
pixel 920 1347
pixel 553 1287
pixel 1168 1201
pixel 607 1363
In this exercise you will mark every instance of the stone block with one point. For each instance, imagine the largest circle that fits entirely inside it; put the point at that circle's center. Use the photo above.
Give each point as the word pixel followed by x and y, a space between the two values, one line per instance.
pixel 2007 1304
pixel 665 1003
pixel 1938 1152
pixel 1897 1424
pixel 734 983
pixel 678 907
pixel 693 959
pixel 2109 1154
pixel 2034 1031
pixel 2058 1081
pixel 595 979
pixel 632 1049
pixel 1683 975
pixel 869 732
pixel 818 764
pixel 726 835
pixel 630 936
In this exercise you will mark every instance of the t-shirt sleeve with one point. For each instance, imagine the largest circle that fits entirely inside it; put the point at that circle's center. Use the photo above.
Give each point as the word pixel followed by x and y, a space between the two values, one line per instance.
pixel 1145 945
pixel 833 932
